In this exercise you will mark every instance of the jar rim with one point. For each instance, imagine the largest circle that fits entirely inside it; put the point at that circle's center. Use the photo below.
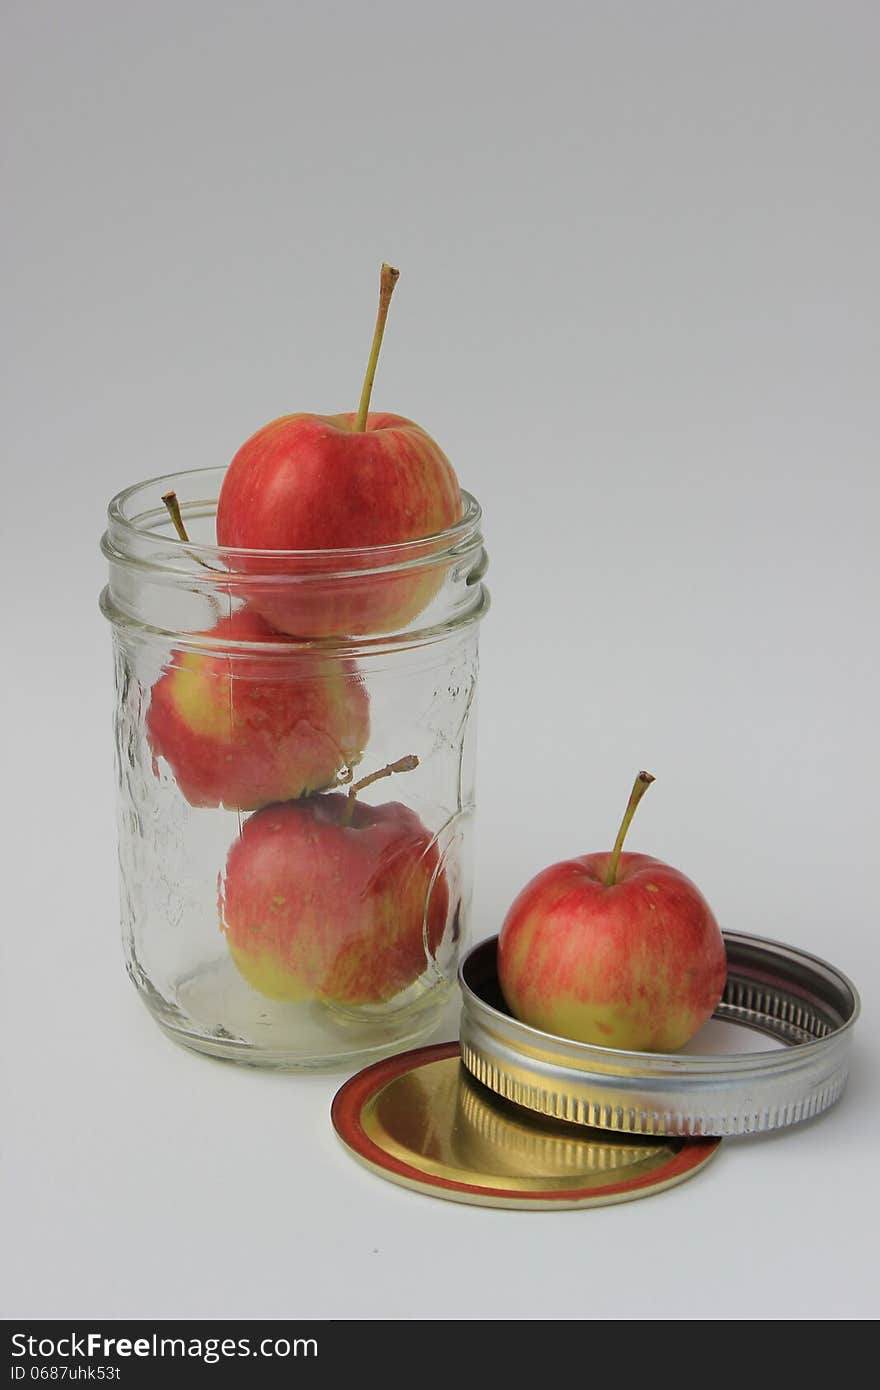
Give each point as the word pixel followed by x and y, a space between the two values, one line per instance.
pixel 139 530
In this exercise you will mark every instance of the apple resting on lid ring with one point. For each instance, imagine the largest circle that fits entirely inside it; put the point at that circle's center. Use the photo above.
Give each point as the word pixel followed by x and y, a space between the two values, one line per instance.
pixel 618 950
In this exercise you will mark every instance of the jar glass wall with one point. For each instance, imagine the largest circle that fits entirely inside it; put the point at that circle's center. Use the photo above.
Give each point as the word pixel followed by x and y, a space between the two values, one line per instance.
pixel 274 911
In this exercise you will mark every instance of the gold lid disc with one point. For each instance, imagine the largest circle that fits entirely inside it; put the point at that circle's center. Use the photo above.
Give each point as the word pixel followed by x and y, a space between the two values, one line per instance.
pixel 420 1120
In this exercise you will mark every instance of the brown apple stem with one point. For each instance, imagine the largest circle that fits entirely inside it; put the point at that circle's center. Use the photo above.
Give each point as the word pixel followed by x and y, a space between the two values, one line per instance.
pixel 172 506
pixel 640 786
pixel 407 764
pixel 387 282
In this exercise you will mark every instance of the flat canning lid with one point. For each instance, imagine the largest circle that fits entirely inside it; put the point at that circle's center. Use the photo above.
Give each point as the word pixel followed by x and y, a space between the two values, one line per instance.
pixel 804 1004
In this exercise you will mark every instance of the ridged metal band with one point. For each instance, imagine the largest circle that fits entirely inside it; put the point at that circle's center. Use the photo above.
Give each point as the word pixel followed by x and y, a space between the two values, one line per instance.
pixel 795 998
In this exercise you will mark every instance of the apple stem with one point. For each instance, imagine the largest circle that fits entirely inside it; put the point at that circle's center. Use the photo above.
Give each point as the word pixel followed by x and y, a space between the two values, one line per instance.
pixel 172 506
pixel 407 764
pixel 388 280
pixel 640 786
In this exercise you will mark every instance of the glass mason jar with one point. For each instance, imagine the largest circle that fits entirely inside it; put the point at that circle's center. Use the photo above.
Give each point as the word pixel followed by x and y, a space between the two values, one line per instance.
pixel 281 905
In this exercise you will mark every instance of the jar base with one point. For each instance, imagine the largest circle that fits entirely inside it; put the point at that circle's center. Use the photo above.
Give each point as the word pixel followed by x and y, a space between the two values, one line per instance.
pixel 260 1032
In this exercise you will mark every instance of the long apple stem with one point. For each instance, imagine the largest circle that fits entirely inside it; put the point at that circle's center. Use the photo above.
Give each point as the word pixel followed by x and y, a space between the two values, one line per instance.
pixel 640 786
pixel 172 506
pixel 387 282
pixel 407 764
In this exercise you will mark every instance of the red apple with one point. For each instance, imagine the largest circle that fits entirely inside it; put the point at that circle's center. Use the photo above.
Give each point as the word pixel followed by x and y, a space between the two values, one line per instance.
pixel 321 483
pixel 241 728
pixel 614 949
pixel 333 899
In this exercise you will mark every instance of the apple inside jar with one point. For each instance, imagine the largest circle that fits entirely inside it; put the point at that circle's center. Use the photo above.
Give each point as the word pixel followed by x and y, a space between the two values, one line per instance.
pixel 329 898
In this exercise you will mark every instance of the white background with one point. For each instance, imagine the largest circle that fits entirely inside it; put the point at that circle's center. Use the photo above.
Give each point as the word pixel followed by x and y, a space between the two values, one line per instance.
pixel 639 309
